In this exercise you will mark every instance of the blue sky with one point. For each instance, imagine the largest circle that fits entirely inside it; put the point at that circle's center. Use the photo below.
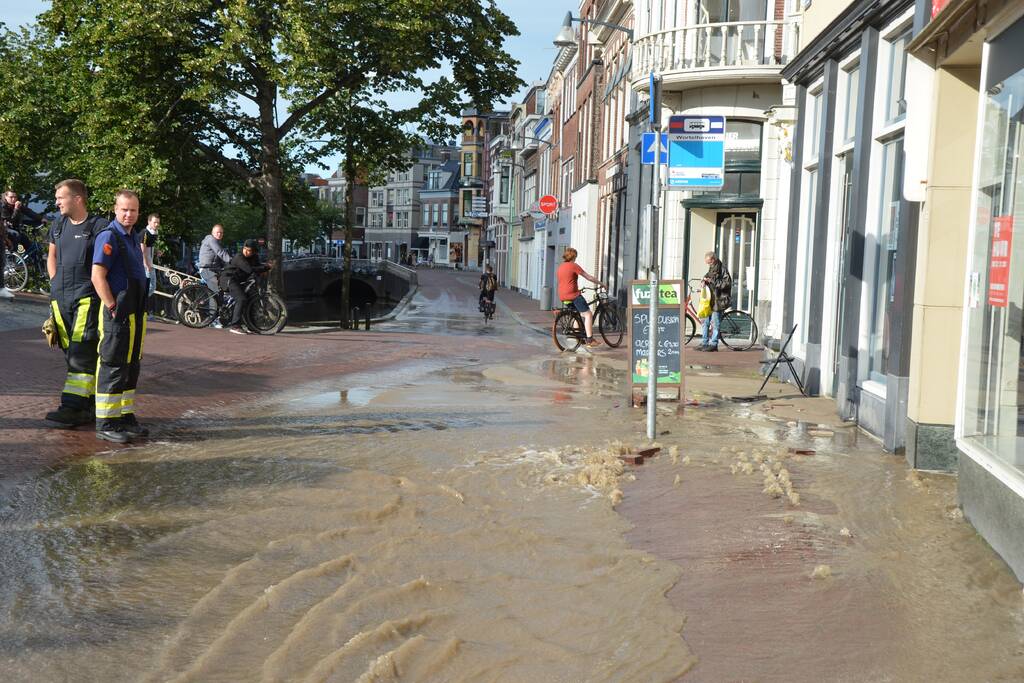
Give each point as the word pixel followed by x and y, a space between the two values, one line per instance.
pixel 538 22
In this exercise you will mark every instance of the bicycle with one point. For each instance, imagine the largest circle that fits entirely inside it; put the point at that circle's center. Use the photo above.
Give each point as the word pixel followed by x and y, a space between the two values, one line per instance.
pixel 737 329
pixel 569 332
pixel 488 307
pixel 197 306
pixel 20 264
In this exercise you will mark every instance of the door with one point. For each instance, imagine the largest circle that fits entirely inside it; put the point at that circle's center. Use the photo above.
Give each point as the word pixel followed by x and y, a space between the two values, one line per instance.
pixel 736 246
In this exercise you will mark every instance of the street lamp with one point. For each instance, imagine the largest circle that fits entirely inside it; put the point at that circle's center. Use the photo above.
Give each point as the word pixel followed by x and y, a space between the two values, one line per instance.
pixel 567 37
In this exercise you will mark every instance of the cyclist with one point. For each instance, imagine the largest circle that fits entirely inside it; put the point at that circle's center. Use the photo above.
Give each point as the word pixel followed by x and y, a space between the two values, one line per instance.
pixel 719 281
pixel 12 214
pixel 488 286
pixel 212 259
pixel 238 271
pixel 569 290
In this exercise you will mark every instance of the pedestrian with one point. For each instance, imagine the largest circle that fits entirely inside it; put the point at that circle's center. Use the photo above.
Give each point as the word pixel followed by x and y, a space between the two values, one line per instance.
pixel 242 267
pixel 569 291
pixel 119 277
pixel 73 301
pixel 212 259
pixel 12 215
pixel 147 239
pixel 719 282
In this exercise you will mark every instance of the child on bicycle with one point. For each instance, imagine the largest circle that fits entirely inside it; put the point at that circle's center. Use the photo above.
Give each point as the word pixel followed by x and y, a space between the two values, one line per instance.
pixel 488 286
pixel 569 291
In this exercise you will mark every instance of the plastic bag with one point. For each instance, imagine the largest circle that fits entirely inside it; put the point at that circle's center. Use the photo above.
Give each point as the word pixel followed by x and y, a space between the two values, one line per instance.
pixel 704 305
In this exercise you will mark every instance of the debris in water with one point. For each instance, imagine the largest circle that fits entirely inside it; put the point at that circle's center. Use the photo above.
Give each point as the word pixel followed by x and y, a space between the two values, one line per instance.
pixel 678 480
pixel 453 493
pixel 820 432
pixel 954 512
pixel 794 497
pixel 616 497
pixel 673 452
pixel 788 519
pixel 747 468
pixel 914 478
pixel 846 533
pixel 822 571
pixel 773 489
pixel 686 460
pixel 791 423
pixel 734 468
pixel 802 451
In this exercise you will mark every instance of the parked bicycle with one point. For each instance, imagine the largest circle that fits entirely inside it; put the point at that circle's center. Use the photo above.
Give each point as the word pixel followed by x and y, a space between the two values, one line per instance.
pixel 569 333
pixel 737 329
pixel 197 306
pixel 25 268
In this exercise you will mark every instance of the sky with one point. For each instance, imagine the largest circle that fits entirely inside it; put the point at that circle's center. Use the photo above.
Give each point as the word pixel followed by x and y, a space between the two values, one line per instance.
pixel 538 22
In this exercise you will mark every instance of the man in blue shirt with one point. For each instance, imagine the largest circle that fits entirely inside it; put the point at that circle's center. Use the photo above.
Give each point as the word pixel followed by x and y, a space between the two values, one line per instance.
pixel 119 276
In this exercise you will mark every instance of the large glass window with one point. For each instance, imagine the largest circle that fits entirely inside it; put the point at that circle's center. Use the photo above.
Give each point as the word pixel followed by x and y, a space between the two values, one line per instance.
pixel 742 141
pixel 994 379
pixel 885 244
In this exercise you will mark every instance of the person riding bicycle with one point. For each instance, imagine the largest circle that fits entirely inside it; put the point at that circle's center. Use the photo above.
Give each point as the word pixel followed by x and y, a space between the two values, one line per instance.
pixel 12 215
pixel 719 282
pixel 488 286
pixel 569 290
pixel 234 276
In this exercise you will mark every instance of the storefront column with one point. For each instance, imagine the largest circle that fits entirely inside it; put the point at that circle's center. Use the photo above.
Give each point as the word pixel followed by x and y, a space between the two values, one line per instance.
pixel 793 228
pixel 819 230
pixel 847 397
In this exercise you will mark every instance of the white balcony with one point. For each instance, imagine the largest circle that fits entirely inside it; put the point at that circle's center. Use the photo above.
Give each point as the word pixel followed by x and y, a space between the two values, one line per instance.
pixel 741 50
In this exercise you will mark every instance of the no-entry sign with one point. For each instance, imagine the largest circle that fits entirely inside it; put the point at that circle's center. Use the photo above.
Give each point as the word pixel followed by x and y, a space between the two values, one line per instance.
pixel 548 204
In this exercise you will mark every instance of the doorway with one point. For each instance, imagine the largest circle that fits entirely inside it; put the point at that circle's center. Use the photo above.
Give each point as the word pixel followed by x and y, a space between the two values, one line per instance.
pixel 736 245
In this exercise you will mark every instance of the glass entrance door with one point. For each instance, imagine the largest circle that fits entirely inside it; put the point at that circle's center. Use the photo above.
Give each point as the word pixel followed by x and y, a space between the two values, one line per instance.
pixel 735 242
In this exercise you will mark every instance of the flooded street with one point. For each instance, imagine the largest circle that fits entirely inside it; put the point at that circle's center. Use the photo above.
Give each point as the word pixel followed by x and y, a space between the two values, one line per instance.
pixel 467 518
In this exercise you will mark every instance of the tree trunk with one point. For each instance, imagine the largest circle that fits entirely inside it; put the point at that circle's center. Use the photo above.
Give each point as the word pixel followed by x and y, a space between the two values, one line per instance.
pixel 346 272
pixel 271 183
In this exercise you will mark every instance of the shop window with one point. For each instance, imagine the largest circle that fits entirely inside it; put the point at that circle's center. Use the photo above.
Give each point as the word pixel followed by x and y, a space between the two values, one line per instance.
pixel 993 417
pixel 885 244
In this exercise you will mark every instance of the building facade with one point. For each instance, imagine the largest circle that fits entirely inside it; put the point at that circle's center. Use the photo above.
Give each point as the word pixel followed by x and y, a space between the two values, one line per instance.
pixel 439 204
pixel 479 129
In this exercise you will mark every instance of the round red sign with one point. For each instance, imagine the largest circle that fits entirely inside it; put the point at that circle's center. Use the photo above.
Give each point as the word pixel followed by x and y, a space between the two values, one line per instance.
pixel 548 204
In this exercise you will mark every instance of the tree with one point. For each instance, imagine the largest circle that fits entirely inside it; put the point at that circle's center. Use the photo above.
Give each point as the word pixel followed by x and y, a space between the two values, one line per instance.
pixel 208 79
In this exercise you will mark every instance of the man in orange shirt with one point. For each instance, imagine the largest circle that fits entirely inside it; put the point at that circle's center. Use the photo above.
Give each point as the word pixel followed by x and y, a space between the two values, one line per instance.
pixel 569 290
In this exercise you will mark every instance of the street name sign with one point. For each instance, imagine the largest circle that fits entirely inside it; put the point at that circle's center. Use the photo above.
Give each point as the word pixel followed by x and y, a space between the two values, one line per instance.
pixel 548 204
pixel 696 152
pixel 647 149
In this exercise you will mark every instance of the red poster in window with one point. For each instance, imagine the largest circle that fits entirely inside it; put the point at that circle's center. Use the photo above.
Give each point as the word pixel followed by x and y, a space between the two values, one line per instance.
pixel 937 6
pixel 999 261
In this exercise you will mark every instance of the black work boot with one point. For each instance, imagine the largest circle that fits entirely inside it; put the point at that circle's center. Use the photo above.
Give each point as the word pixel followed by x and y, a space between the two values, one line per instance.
pixel 67 417
pixel 113 431
pixel 131 425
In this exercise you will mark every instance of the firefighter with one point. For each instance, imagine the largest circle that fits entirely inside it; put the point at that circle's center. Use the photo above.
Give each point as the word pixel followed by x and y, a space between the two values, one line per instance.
pixel 73 301
pixel 119 276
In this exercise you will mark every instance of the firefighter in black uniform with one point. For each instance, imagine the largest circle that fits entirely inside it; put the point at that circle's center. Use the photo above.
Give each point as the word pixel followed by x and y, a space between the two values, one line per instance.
pixel 73 300
pixel 119 276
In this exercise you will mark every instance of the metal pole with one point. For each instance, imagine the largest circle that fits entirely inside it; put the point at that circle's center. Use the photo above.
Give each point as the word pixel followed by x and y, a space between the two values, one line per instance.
pixel 652 339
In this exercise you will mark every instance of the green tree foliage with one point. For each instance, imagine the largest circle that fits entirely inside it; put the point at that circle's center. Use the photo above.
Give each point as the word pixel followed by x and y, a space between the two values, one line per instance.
pixel 182 98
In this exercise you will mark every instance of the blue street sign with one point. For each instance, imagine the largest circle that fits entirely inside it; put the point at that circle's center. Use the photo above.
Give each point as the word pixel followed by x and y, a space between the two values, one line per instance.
pixel 647 149
pixel 696 152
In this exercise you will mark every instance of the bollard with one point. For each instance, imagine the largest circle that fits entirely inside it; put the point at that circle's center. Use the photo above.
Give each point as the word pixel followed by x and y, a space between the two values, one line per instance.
pixel 353 318
pixel 367 318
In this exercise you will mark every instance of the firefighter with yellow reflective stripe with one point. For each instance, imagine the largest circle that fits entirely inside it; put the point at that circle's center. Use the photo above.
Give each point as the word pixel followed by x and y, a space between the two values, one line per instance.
pixel 73 300
pixel 119 276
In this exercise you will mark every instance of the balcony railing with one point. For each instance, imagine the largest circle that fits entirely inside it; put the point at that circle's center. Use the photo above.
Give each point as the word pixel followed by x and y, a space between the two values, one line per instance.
pixel 733 45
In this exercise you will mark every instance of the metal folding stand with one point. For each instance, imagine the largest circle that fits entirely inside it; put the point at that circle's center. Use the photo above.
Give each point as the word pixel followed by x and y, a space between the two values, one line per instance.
pixel 783 357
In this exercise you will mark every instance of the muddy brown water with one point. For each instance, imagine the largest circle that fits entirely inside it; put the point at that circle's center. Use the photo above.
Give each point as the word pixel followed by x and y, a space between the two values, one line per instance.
pixel 454 521
pixel 431 528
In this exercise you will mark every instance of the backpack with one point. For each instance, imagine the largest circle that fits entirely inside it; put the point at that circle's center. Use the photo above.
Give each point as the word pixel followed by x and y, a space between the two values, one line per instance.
pixel 491 283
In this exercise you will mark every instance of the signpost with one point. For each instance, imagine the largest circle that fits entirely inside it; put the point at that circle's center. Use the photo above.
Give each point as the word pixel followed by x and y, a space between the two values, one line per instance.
pixel 696 152
pixel 548 204
pixel 653 274
pixel 668 356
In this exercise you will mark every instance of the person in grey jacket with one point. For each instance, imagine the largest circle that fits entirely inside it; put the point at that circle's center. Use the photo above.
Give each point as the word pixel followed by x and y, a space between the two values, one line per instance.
pixel 213 257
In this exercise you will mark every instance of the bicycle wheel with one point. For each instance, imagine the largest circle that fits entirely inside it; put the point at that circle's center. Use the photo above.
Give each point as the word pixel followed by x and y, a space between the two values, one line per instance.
pixel 266 313
pixel 610 324
pixel 15 272
pixel 738 330
pixel 567 331
pixel 194 305
pixel 690 331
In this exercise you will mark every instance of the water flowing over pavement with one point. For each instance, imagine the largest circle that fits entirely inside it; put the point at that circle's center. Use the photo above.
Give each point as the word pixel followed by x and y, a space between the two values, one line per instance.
pixel 454 509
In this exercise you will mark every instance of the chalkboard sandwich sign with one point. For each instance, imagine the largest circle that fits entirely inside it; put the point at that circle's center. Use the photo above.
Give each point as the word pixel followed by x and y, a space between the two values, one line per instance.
pixel 669 354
